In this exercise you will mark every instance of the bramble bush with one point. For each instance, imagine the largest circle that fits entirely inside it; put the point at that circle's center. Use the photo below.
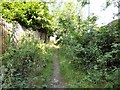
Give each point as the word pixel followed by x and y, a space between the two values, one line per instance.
pixel 22 60
pixel 97 52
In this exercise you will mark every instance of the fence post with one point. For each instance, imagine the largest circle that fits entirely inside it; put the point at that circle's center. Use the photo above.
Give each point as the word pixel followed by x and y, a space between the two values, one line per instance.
pixel 0 39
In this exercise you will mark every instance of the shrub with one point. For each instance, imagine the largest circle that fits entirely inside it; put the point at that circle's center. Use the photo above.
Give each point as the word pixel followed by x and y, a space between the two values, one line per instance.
pixel 20 61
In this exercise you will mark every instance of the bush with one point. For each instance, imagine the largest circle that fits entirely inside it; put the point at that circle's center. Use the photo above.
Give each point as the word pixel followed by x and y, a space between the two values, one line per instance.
pixel 97 53
pixel 20 61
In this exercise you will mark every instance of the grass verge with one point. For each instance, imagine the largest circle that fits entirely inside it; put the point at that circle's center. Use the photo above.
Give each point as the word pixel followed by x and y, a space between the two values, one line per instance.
pixel 71 77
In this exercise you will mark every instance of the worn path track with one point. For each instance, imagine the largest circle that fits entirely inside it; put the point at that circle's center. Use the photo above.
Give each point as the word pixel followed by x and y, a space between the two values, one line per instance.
pixel 56 78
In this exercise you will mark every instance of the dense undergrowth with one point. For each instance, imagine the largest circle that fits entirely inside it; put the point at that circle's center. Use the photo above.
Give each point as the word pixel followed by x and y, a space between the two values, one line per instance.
pixel 72 77
pixel 89 55
pixel 93 58
pixel 27 65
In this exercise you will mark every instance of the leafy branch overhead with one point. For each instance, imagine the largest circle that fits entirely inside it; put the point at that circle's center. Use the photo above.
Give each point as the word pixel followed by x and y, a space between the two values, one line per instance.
pixel 28 14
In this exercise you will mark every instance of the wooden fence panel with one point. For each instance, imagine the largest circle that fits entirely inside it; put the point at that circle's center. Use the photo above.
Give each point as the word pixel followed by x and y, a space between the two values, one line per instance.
pixel 4 35
pixel 0 39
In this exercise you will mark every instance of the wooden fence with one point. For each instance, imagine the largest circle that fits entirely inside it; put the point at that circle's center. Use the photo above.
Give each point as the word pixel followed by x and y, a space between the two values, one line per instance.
pixel 5 34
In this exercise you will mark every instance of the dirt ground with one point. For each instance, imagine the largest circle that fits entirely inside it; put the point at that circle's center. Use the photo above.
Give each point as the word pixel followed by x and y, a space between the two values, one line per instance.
pixel 56 78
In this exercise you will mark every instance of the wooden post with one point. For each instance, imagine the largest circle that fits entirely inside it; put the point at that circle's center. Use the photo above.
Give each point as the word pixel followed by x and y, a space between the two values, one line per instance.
pixel 1 38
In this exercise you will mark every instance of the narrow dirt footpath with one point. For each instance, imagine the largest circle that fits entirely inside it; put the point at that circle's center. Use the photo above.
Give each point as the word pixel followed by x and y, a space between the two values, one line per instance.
pixel 56 79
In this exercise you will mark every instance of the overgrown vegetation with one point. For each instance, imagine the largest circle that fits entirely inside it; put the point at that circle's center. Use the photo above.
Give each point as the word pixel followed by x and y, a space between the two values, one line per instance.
pixel 28 64
pixel 29 14
pixel 88 58
pixel 93 53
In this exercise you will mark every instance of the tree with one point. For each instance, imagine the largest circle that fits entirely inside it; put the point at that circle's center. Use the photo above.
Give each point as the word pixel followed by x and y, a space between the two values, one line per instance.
pixel 28 14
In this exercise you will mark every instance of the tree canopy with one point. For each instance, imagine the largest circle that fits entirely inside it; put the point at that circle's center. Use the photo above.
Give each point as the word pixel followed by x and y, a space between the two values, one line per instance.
pixel 28 14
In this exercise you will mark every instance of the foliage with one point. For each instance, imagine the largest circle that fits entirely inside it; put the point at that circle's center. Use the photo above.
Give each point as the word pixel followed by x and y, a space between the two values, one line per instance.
pixel 28 14
pixel 68 23
pixel 90 57
pixel 23 62
pixel 96 52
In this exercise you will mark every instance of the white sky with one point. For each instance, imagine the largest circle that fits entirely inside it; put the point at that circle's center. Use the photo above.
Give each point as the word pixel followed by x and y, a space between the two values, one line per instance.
pixel 96 7
pixel 104 16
